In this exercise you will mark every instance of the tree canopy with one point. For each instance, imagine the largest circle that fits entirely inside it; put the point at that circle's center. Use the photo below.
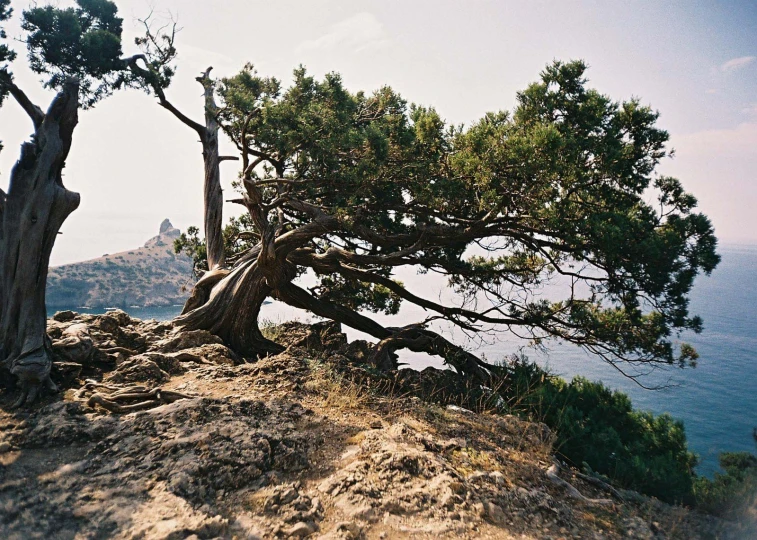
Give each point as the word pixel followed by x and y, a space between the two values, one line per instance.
pixel 353 186
pixel 6 54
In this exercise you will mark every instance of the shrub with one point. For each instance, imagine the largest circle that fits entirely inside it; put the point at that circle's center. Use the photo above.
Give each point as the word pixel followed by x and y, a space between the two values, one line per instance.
pixel 731 493
pixel 598 429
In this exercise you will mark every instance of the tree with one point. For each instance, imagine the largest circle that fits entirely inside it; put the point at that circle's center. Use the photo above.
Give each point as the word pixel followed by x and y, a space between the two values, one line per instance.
pixel 152 71
pixel 353 187
pixel 80 48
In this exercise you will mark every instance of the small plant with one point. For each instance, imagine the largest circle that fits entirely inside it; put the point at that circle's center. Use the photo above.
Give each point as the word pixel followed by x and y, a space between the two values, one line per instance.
pixel 334 389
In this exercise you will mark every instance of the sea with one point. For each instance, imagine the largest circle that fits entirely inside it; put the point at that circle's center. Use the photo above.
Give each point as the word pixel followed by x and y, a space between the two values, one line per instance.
pixel 717 400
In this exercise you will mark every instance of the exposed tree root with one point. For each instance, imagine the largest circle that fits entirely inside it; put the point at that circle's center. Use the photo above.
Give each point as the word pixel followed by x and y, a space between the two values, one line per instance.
pixel 115 350
pixel 552 474
pixel 125 400
pixel 596 482
pixel 30 392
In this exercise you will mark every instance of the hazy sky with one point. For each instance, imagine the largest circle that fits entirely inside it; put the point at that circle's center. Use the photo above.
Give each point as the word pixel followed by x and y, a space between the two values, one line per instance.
pixel 696 62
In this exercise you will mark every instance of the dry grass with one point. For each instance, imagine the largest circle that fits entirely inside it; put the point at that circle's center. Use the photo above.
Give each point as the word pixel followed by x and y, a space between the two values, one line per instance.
pixel 470 460
pixel 334 391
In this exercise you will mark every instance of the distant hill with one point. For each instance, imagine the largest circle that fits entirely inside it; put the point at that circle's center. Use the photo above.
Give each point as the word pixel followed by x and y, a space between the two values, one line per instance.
pixel 149 276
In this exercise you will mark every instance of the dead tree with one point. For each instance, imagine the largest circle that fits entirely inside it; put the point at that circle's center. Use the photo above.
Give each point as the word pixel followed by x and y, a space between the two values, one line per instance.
pixel 31 215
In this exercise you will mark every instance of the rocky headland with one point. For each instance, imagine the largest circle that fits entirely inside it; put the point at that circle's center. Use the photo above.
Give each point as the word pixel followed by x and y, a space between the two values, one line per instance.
pixel 162 433
pixel 148 276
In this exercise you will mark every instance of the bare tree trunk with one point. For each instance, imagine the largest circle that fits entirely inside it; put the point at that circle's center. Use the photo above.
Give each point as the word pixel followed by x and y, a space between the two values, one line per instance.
pixel 31 215
pixel 213 195
pixel 232 311
pixel 208 133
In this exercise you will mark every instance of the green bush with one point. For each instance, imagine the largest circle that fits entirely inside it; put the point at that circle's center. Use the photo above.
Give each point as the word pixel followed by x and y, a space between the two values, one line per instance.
pixel 598 429
pixel 733 492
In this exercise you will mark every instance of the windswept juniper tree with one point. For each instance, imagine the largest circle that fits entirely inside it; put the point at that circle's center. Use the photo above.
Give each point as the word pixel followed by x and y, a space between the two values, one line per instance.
pixel 353 187
pixel 79 49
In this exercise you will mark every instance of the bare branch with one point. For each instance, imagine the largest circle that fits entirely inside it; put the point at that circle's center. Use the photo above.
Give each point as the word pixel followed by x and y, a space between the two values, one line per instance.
pixel 151 79
pixel 33 111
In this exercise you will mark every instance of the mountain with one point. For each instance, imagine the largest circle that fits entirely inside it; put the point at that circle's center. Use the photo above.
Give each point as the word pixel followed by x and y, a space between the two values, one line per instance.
pixel 149 276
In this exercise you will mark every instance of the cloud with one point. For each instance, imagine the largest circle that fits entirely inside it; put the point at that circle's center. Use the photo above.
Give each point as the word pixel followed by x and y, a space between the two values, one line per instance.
pixel 735 64
pixel 738 142
pixel 358 33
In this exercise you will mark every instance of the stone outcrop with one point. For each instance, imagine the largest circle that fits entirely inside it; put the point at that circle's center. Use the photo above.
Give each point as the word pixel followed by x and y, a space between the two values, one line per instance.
pixel 302 444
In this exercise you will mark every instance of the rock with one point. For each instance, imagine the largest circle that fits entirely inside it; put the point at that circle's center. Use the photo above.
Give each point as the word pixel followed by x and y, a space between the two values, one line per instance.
pixel 494 513
pixel 323 336
pixel 359 351
pixel 449 500
pixel 186 339
pixel 165 226
pixel 345 530
pixel 5 446
pixel 75 344
pixel 498 478
pixel 213 353
pixel 138 369
pixel 64 316
pixel 637 528
pixel 301 530
pixel 65 373
pixel 455 408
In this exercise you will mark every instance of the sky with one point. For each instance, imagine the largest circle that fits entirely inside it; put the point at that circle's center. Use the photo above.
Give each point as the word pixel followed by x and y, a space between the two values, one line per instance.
pixel 693 61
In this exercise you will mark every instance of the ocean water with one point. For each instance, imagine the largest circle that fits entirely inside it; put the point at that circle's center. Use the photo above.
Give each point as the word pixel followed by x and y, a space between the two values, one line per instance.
pixel 161 313
pixel 717 400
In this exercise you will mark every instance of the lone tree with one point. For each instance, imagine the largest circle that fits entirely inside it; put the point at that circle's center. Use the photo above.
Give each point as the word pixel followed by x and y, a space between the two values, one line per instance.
pixel 353 187
pixel 79 48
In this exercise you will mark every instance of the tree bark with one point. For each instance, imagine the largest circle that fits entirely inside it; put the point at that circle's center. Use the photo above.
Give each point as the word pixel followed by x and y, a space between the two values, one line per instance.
pixel 208 133
pixel 213 195
pixel 31 215
pixel 232 309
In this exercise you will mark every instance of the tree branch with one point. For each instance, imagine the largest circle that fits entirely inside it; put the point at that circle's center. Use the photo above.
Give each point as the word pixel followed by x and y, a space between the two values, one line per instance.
pixel 151 80
pixel 32 110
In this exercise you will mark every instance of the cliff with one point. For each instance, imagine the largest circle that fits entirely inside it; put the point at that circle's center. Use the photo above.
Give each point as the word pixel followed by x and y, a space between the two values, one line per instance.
pixel 164 433
pixel 151 275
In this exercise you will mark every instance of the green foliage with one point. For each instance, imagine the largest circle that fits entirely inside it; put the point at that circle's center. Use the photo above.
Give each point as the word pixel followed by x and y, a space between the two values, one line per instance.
pixel 557 187
pixel 190 244
pixel 7 55
pixel 82 42
pixel 357 295
pixel 734 492
pixel 599 430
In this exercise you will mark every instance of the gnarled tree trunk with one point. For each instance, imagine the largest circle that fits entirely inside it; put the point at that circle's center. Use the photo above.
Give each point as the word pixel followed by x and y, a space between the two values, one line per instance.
pixel 232 309
pixel 31 214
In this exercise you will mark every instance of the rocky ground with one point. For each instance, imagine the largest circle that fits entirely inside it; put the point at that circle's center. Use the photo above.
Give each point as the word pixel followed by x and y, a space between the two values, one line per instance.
pixel 159 433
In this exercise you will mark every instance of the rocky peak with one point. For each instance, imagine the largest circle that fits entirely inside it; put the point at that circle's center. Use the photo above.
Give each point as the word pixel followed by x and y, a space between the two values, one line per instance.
pixel 167 232
pixel 166 226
